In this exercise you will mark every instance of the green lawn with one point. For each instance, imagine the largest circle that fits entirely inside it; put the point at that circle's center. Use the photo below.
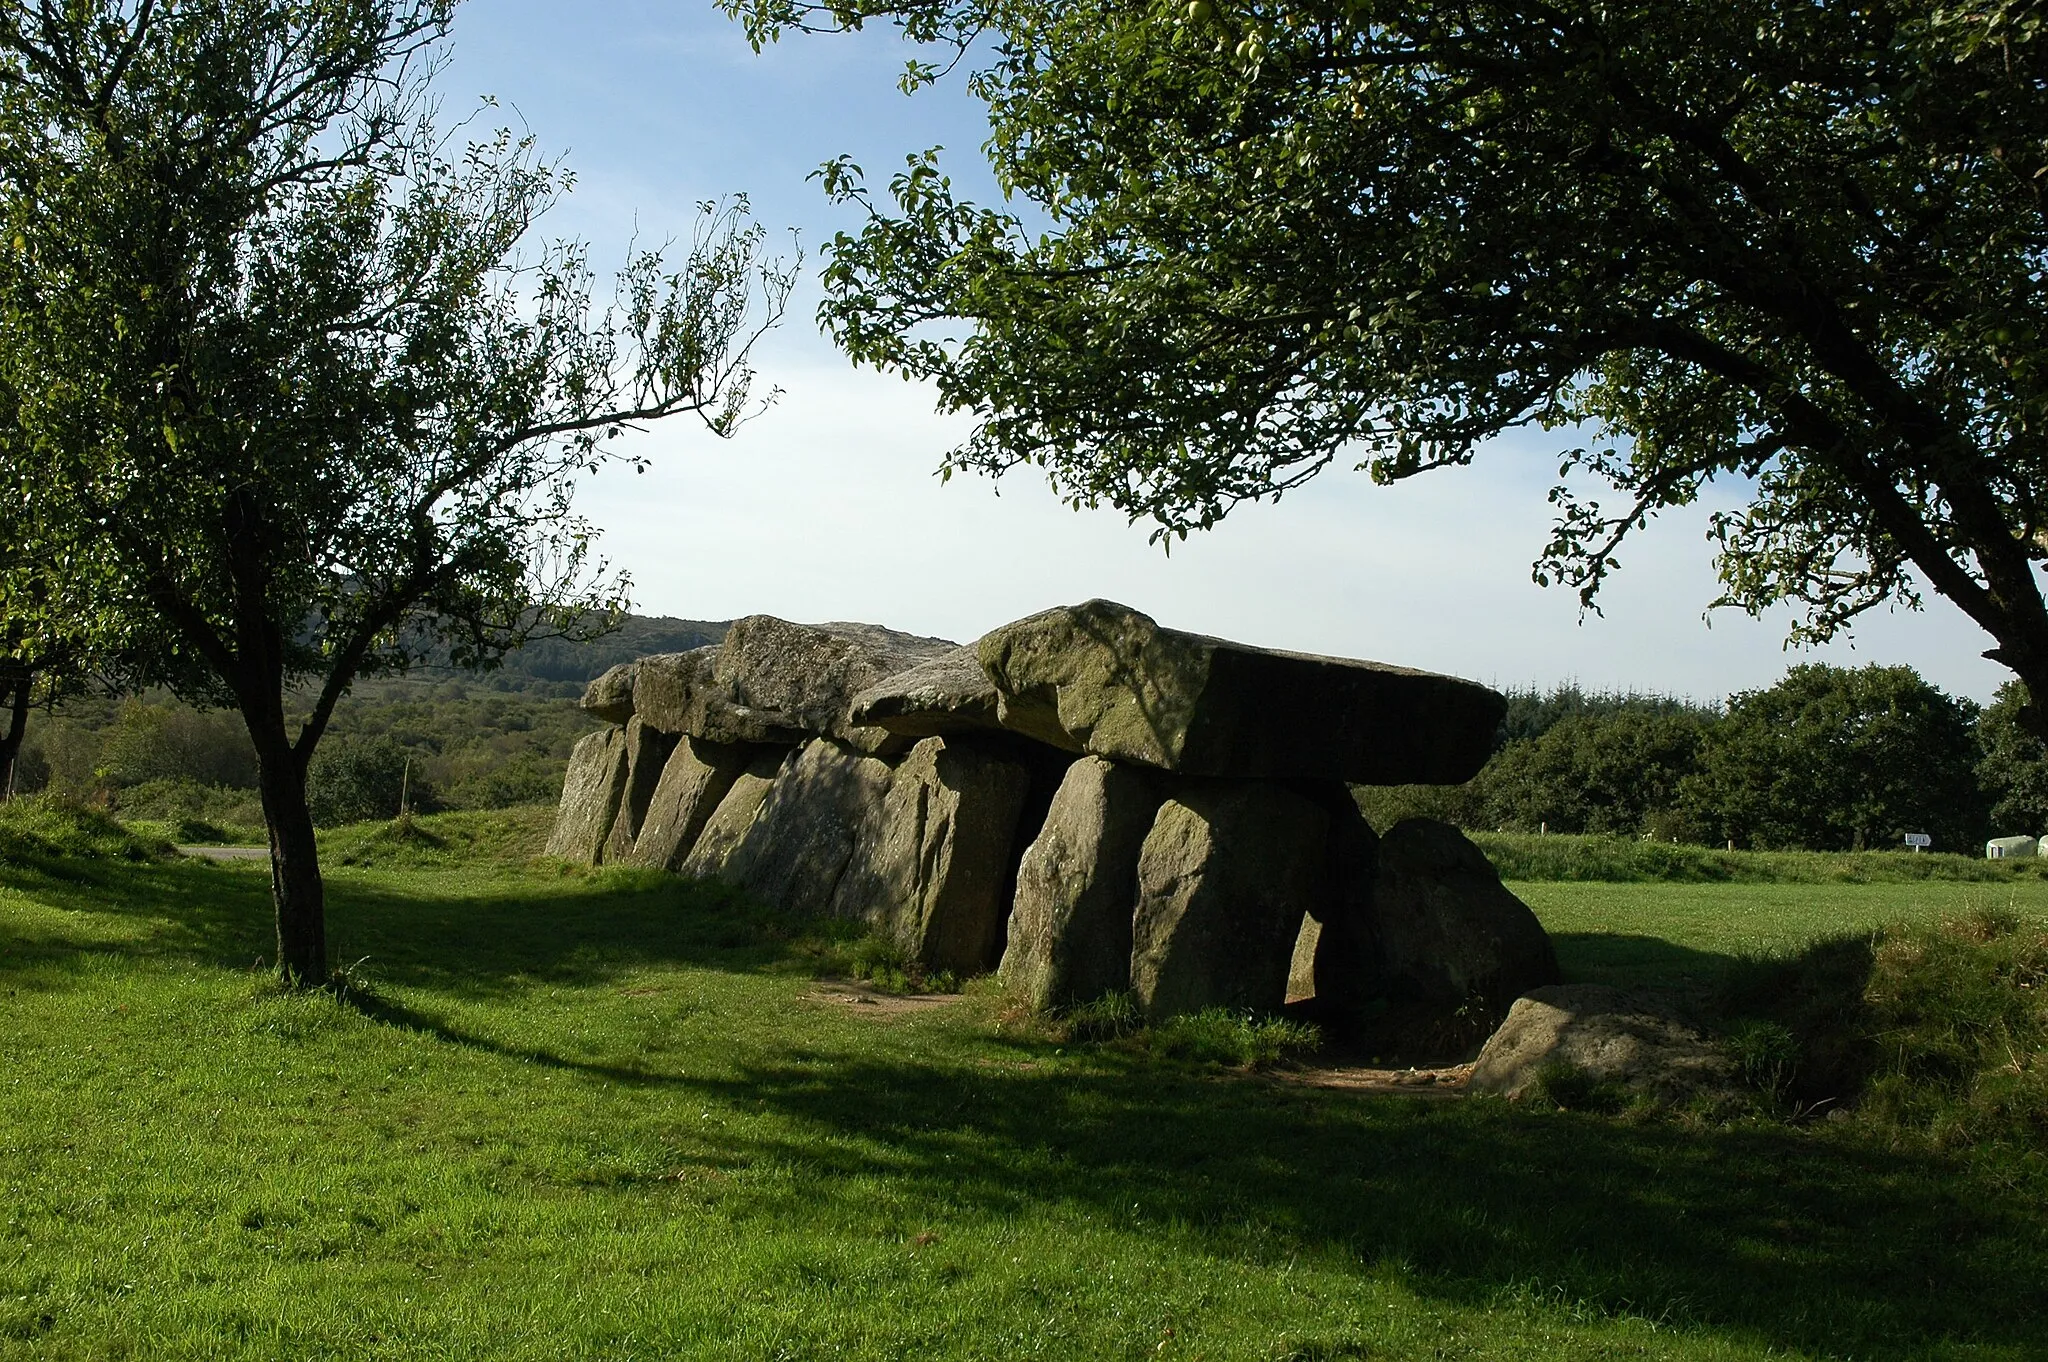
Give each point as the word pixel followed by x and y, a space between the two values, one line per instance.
pixel 605 1116
pixel 1676 933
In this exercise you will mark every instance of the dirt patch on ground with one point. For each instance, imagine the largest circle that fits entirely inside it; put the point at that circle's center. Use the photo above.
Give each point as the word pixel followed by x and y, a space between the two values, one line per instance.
pixel 872 1002
pixel 1447 1081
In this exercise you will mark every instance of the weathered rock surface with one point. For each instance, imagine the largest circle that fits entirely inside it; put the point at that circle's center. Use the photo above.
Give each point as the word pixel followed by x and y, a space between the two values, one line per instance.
pixel 932 866
pixel 1225 877
pixel 1104 679
pixel 1449 930
pixel 590 796
pixel 695 778
pixel 1070 923
pixel 822 803
pixel 1609 1035
pixel 1301 966
pixel 670 691
pixel 610 697
pixel 948 694
pixel 647 751
pixel 772 681
pixel 729 822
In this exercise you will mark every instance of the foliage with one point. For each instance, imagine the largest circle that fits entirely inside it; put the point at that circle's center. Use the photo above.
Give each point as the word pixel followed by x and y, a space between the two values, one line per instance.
pixel 155 742
pixel 287 385
pixel 1838 759
pixel 1797 248
pixel 357 781
pixel 2012 768
pixel 1608 774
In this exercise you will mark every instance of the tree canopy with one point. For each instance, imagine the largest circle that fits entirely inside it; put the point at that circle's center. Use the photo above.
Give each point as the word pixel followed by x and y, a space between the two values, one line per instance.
pixel 292 376
pixel 1797 248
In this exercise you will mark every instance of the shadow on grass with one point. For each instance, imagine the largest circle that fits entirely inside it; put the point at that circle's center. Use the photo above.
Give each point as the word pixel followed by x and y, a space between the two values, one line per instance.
pixel 1620 958
pixel 499 935
pixel 1783 1239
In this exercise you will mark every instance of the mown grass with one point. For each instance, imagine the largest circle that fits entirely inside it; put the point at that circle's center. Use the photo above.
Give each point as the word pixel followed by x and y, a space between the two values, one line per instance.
pixel 605 1115
pixel 1634 860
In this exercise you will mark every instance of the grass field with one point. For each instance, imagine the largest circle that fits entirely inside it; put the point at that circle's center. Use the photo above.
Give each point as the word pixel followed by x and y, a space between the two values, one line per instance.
pixel 611 1116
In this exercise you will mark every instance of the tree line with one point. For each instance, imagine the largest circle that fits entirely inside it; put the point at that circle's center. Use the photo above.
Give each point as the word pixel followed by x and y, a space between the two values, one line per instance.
pixel 1828 759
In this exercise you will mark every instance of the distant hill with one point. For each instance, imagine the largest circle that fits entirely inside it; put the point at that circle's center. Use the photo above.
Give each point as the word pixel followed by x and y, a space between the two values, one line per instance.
pixel 558 660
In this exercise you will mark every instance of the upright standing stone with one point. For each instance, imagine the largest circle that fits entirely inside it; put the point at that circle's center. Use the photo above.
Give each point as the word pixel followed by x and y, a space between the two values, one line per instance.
pixel 696 777
pixel 1102 678
pixel 590 796
pixel 1070 924
pixel 1225 877
pixel 795 850
pixel 729 823
pixel 1449 930
pixel 932 868
pixel 647 751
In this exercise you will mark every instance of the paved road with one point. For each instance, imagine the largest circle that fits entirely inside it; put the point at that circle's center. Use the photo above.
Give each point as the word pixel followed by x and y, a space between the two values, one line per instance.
pixel 227 853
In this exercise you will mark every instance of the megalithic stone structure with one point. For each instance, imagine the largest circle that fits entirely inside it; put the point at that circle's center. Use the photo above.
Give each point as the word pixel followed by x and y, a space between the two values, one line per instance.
pixel 1096 801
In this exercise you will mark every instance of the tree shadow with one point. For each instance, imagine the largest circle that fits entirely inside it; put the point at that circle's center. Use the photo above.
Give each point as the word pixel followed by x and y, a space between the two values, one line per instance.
pixel 1622 958
pixel 491 938
pixel 1782 1238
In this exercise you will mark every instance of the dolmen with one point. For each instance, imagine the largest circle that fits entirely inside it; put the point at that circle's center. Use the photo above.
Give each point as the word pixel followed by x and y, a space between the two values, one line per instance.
pixel 1082 799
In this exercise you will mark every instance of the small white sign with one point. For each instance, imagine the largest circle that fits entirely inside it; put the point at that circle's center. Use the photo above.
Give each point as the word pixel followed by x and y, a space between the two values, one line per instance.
pixel 1919 840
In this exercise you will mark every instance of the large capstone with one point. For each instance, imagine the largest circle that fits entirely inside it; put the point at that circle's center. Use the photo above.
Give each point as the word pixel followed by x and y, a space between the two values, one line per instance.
pixel 610 696
pixel 931 868
pixel 696 777
pixel 798 845
pixel 948 694
pixel 1070 923
pixel 1449 931
pixel 1104 679
pixel 647 751
pixel 771 681
pixel 730 822
pixel 590 796
pixel 1225 877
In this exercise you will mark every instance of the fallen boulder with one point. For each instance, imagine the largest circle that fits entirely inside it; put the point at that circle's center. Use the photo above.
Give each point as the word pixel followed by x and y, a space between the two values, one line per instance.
pixel 1104 679
pixel 590 796
pixel 931 867
pixel 1070 920
pixel 1449 931
pixel 1225 876
pixel 1600 1036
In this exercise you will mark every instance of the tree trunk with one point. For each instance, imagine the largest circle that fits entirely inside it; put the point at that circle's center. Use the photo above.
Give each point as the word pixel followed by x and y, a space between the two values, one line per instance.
pixel 295 886
pixel 15 691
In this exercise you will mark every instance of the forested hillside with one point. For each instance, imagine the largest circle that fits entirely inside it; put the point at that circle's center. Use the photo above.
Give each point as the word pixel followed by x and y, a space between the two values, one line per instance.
pixel 439 737
pixel 1828 759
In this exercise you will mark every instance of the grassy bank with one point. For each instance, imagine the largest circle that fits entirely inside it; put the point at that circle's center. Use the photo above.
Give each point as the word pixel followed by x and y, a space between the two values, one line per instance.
pixel 1632 860
pixel 611 1115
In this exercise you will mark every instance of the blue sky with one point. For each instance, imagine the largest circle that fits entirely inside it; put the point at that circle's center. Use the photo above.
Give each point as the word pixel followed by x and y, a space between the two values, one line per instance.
pixel 826 507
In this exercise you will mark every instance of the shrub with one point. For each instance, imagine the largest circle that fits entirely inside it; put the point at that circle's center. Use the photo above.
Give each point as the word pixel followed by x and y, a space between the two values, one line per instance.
pixel 360 781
